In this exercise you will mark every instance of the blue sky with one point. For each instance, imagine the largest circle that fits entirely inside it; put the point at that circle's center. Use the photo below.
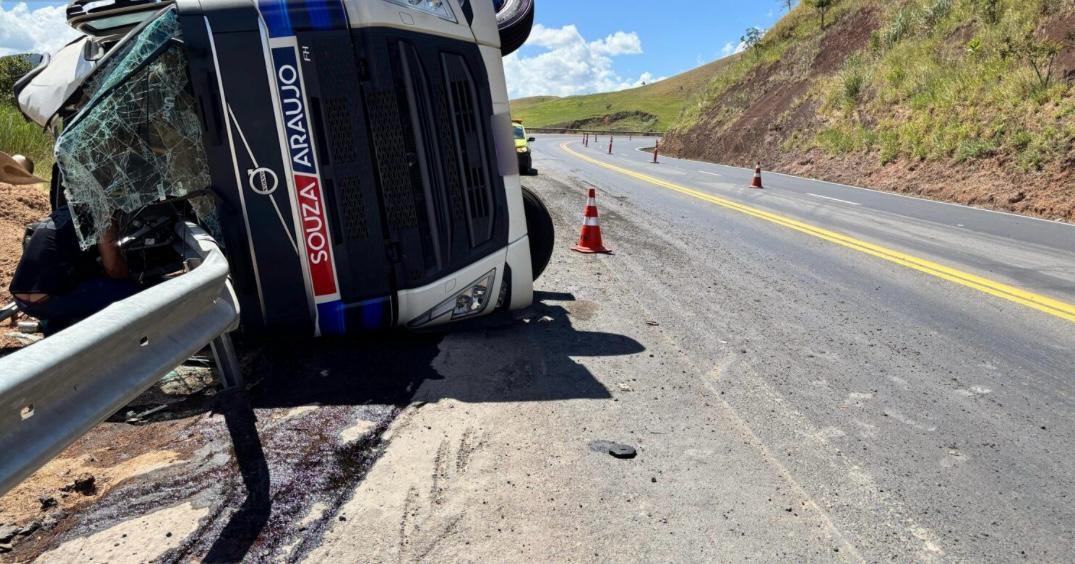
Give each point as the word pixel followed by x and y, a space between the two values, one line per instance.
pixel 578 46
pixel 675 35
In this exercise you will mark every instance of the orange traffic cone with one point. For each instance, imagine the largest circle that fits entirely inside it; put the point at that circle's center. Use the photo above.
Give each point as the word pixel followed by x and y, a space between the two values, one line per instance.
pixel 590 238
pixel 757 178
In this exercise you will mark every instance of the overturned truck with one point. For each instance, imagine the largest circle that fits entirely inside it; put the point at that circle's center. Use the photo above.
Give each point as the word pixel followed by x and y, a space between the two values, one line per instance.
pixel 354 158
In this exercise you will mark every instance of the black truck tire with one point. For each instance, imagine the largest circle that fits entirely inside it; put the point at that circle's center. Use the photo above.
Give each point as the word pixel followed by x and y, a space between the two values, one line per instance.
pixel 542 233
pixel 514 20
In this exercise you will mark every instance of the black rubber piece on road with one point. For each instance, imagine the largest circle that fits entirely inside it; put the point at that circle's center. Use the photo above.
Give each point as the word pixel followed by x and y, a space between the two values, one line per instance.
pixel 514 20
pixel 617 450
pixel 542 232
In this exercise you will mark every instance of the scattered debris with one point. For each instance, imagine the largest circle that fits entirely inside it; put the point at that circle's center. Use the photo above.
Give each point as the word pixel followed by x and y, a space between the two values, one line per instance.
pixel 653 324
pixel 85 484
pixel 625 387
pixel 47 502
pixel 24 339
pixel 618 450
pixel 52 519
pixel 8 532
pixel 29 326
pixel 135 418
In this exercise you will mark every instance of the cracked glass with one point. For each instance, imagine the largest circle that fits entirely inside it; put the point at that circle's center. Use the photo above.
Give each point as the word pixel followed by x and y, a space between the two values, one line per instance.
pixel 138 140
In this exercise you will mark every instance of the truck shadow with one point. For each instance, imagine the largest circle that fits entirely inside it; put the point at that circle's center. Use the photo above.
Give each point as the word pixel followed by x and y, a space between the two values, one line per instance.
pixel 526 359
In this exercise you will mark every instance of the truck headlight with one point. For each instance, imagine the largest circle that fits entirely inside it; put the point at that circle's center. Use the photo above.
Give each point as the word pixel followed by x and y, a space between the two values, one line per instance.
pixel 469 302
pixel 522 149
pixel 438 8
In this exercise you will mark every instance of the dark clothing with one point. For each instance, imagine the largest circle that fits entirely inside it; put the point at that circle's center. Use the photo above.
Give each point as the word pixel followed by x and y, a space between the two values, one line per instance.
pixel 53 263
pixel 56 195
pixel 61 311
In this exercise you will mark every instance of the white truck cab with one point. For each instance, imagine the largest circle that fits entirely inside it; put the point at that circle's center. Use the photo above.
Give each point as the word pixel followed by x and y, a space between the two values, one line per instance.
pixel 355 158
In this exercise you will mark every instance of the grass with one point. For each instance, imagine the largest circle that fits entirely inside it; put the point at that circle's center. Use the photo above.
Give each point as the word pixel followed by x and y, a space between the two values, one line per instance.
pixel 653 107
pixel 17 136
pixel 937 82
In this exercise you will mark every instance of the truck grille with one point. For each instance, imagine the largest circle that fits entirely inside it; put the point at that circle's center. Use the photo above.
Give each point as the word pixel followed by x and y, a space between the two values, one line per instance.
pixel 392 164
pixel 353 202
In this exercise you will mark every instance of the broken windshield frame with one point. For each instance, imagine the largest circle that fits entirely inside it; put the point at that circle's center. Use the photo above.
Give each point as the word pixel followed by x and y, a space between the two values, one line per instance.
pixel 105 66
pixel 137 141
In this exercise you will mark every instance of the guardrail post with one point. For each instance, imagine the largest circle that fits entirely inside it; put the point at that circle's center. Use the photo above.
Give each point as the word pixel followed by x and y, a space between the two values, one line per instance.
pixel 227 362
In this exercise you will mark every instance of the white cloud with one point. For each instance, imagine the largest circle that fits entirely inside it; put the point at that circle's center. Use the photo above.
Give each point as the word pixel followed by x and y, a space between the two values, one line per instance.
pixel 570 64
pixel 39 30
pixel 732 48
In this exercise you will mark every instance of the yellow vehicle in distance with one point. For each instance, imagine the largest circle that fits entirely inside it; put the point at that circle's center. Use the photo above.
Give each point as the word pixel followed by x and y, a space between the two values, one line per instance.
pixel 522 148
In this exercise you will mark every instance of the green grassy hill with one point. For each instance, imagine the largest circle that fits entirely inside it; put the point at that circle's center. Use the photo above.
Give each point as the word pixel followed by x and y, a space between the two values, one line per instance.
pixel 971 101
pixel 964 100
pixel 653 107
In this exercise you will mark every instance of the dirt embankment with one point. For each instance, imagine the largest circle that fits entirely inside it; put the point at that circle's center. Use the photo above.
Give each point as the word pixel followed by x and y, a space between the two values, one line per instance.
pixel 758 119
pixel 19 206
pixel 608 120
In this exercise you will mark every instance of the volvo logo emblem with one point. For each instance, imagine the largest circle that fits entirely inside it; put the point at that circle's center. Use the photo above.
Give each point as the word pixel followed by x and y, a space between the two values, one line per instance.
pixel 262 180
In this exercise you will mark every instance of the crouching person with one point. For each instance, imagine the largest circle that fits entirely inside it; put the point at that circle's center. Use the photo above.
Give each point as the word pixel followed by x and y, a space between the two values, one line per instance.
pixel 59 283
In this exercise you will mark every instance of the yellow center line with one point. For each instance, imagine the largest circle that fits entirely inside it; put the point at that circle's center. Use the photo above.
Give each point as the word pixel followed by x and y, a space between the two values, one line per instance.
pixel 1011 293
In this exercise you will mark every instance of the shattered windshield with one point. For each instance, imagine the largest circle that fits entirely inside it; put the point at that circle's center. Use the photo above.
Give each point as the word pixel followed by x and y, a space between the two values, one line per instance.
pixel 138 140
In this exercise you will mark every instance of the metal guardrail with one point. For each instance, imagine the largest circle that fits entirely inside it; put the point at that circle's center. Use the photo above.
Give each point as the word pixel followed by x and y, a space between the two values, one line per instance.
pixel 8 312
pixel 56 390
pixel 565 131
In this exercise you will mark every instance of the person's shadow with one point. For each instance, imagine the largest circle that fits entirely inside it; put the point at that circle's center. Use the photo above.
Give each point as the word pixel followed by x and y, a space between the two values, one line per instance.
pixel 527 358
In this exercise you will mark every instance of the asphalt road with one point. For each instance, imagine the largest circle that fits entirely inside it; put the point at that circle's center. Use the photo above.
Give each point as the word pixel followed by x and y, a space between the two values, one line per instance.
pixel 809 372
pixel 905 403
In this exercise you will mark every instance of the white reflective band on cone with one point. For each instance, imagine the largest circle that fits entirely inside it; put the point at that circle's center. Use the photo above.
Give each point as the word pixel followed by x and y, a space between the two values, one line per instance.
pixel 591 222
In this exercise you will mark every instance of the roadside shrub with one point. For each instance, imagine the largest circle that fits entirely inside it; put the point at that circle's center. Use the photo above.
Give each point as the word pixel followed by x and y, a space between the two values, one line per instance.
pixel 1020 139
pixel 974 149
pixel 875 42
pixel 1031 159
pixel 841 140
pixel 901 26
pixel 854 80
pixel 989 10
pixel 937 11
pixel 889 142
pixel 20 136
pixel 12 68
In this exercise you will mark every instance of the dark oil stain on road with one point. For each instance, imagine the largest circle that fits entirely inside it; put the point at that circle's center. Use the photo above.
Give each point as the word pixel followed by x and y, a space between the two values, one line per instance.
pixel 293 466
pixel 289 454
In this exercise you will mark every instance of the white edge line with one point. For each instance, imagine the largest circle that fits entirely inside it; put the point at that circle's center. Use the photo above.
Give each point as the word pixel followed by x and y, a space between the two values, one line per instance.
pixel 709 173
pixel 920 199
pixel 833 199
